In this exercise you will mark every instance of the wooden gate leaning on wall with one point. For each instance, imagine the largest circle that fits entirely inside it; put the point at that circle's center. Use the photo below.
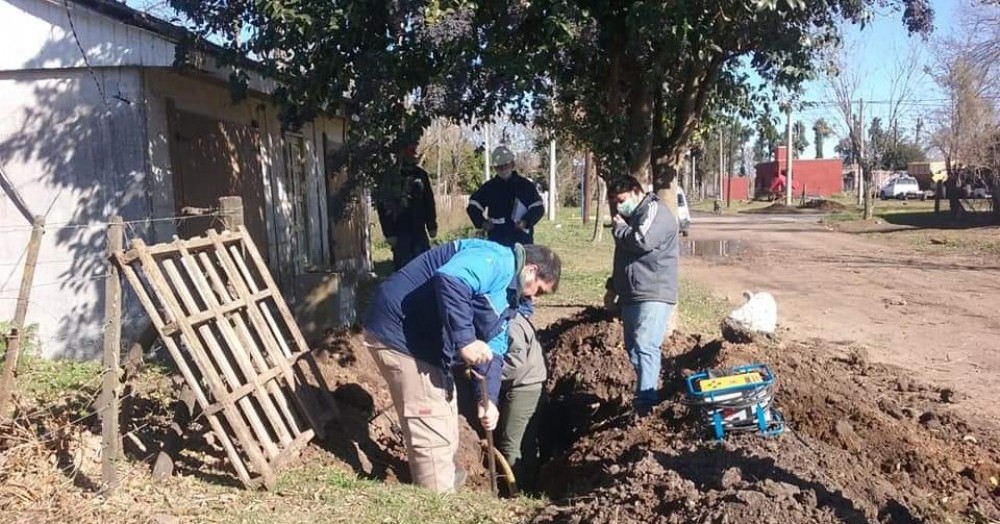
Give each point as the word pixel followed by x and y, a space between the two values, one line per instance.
pixel 227 327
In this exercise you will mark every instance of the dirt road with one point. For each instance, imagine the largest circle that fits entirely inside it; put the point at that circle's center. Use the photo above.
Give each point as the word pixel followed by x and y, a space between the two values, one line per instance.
pixel 937 316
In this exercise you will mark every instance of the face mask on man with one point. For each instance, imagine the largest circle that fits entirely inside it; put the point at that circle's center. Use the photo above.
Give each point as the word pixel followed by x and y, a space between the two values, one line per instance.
pixel 505 172
pixel 627 207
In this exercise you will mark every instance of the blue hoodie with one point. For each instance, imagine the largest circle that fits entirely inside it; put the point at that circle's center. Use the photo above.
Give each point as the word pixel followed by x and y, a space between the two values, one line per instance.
pixel 444 300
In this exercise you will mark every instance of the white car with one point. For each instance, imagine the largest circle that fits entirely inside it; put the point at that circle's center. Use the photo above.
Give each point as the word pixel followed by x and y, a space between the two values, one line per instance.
pixel 683 212
pixel 902 187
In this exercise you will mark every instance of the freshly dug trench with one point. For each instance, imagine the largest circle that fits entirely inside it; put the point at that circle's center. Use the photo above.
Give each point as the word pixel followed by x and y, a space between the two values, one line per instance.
pixel 367 437
pixel 864 443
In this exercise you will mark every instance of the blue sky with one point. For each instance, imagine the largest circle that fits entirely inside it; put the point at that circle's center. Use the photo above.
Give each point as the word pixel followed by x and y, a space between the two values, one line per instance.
pixel 875 51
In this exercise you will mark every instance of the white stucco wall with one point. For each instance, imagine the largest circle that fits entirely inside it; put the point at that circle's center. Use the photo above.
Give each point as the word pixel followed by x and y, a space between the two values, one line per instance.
pixel 82 144
pixel 38 34
pixel 76 159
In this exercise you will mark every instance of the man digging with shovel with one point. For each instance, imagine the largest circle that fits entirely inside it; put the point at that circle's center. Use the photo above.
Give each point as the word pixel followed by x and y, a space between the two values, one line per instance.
pixel 449 307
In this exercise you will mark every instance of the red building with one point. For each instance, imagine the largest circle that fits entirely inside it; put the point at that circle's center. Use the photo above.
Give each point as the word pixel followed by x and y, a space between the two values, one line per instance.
pixel 737 188
pixel 817 177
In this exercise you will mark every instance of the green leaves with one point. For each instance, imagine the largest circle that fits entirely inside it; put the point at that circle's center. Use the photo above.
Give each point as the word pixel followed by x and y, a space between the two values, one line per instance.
pixel 628 80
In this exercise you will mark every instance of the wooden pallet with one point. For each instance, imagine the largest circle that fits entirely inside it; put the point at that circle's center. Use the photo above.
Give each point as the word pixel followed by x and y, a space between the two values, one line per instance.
pixel 221 316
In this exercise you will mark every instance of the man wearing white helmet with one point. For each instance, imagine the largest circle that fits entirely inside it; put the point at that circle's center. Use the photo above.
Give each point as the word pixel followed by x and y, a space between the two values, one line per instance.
pixel 507 206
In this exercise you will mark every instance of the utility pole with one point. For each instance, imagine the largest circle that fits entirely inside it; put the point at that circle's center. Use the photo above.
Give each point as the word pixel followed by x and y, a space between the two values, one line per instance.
pixel 864 169
pixel 552 180
pixel 694 170
pixel 719 198
pixel 861 152
pixel 788 157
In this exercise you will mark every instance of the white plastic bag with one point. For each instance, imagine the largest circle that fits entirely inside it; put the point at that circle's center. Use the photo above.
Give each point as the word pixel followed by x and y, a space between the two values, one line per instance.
pixel 758 314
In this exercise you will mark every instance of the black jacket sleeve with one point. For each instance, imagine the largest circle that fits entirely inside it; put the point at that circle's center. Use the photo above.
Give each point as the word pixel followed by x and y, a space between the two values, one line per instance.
pixel 477 206
pixel 533 201
pixel 386 217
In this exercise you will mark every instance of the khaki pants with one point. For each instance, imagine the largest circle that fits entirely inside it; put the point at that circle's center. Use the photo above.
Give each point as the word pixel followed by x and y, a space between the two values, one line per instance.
pixel 424 397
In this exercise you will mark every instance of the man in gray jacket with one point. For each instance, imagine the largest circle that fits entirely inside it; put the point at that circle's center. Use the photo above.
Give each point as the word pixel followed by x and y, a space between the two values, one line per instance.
pixel 521 397
pixel 644 280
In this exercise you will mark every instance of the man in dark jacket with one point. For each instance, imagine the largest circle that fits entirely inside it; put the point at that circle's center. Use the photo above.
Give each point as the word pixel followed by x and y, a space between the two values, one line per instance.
pixel 406 209
pixel 644 280
pixel 449 307
pixel 511 203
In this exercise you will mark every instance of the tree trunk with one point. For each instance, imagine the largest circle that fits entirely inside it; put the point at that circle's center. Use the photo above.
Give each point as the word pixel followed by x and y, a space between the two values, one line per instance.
pixel 665 181
pixel 585 188
pixel 601 192
pixel 869 202
pixel 639 130
pixel 937 197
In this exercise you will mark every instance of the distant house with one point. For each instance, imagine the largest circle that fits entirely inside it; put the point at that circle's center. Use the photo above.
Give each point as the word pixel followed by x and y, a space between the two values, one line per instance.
pixel 928 173
pixel 817 177
pixel 98 121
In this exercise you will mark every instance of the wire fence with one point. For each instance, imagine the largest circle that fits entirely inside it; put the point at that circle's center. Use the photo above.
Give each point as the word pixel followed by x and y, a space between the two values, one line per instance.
pixel 97 258
pixel 69 324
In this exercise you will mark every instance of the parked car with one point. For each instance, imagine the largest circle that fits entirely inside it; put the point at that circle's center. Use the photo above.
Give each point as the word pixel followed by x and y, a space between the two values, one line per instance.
pixel 902 187
pixel 683 212
pixel 978 189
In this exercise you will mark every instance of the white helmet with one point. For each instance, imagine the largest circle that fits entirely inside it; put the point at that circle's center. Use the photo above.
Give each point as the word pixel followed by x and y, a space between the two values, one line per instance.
pixel 502 156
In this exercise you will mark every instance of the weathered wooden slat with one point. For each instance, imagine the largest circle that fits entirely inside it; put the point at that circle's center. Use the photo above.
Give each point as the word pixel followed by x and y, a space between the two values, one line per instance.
pixel 183 367
pixel 266 378
pixel 237 255
pixel 324 396
pixel 293 449
pixel 259 324
pixel 239 351
pixel 222 359
pixel 231 413
pixel 212 314
pixel 316 418
pixel 269 283
pixel 210 298
pixel 280 396
pixel 192 244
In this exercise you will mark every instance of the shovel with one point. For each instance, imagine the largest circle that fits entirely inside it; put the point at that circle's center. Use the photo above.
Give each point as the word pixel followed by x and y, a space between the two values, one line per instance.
pixel 484 399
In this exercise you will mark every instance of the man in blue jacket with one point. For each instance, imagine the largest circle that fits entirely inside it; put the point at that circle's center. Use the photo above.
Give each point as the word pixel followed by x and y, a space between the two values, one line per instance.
pixel 449 307
pixel 510 202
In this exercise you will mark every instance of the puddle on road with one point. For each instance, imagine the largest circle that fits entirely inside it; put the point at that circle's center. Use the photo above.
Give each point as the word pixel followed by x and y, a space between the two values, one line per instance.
pixel 712 248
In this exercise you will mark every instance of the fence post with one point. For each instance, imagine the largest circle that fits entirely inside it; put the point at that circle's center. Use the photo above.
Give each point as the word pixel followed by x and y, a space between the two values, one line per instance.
pixel 231 209
pixel 109 405
pixel 17 329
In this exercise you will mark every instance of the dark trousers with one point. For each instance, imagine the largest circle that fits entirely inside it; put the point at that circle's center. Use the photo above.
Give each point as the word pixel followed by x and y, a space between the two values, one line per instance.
pixel 408 247
pixel 517 432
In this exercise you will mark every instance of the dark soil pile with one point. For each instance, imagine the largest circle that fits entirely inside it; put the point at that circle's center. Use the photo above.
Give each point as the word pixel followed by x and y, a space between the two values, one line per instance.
pixel 367 436
pixel 826 206
pixel 777 208
pixel 863 444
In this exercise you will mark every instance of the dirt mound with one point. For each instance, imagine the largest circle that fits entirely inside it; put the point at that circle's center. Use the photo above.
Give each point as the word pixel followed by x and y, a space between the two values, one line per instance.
pixel 776 208
pixel 367 436
pixel 826 206
pixel 864 444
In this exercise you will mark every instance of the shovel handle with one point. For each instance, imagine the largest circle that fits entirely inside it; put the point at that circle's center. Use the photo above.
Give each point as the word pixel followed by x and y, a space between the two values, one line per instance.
pixel 484 399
